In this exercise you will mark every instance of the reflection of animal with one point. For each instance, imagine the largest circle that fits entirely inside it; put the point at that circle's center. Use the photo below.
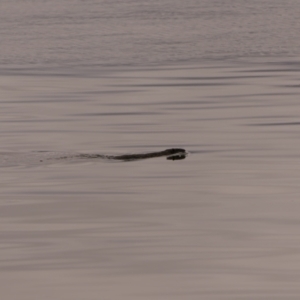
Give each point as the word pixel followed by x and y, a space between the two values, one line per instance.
pixel 171 154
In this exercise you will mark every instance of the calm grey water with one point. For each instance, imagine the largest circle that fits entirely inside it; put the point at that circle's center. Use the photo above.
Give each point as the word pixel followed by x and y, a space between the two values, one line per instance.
pixel 218 78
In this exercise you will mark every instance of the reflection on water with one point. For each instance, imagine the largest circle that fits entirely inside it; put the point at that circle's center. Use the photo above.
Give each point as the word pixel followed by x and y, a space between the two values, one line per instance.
pixel 222 224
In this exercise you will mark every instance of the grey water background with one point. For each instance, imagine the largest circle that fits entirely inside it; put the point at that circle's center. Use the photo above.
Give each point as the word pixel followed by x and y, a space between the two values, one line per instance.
pixel 218 78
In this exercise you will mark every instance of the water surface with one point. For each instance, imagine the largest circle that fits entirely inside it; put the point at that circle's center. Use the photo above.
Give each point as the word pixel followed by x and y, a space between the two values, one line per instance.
pixel 116 77
pixel 221 224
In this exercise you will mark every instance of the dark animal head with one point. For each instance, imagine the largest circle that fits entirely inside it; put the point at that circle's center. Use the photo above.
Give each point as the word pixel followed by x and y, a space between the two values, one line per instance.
pixel 176 153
